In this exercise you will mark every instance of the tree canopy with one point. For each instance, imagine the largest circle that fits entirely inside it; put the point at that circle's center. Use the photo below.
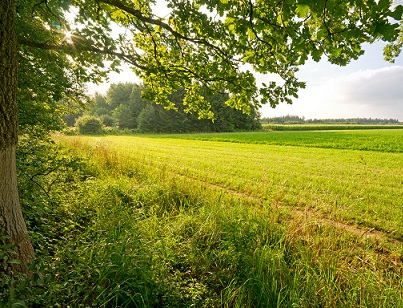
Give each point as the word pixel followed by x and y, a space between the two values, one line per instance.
pixel 213 44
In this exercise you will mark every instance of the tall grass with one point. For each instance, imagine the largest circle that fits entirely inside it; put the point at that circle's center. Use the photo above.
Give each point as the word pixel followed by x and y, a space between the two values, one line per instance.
pixel 142 234
pixel 160 239
pixel 171 245
pixel 350 186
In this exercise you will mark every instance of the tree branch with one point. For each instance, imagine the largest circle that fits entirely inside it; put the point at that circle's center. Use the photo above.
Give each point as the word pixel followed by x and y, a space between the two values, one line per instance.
pixel 148 20
pixel 71 49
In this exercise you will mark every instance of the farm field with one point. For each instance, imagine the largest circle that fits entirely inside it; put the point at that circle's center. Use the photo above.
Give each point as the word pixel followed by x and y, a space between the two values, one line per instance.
pixel 384 140
pixel 320 212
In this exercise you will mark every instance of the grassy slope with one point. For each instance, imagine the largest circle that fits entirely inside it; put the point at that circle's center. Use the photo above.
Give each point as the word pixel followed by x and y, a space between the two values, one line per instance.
pixel 234 224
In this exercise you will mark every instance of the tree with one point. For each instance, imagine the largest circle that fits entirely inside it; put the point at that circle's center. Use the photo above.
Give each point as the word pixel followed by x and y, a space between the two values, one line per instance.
pixel 125 100
pixel 101 106
pixel 203 43
pixel 11 220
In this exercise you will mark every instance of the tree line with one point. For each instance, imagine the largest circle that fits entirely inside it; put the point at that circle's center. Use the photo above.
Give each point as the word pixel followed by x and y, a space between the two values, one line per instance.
pixel 293 119
pixel 123 107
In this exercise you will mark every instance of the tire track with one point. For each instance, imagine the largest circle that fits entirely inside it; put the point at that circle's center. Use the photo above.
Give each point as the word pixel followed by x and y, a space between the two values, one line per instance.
pixel 306 213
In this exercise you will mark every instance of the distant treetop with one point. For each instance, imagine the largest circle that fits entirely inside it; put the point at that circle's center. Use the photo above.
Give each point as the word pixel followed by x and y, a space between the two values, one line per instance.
pixel 291 119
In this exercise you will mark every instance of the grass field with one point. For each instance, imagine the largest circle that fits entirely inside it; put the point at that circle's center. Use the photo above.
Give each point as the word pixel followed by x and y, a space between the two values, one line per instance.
pixel 367 140
pixel 361 187
pixel 286 219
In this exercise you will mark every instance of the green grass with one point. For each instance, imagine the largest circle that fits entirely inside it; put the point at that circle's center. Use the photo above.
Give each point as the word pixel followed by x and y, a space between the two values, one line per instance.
pixel 171 221
pixel 270 225
pixel 356 187
pixel 364 140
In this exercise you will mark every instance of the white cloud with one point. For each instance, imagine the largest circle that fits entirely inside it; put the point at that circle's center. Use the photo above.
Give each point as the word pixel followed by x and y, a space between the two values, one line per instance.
pixel 380 87
pixel 371 93
pixel 367 87
pixel 125 75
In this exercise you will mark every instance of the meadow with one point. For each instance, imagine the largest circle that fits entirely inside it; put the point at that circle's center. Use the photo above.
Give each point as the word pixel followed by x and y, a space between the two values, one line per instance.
pixel 265 219
pixel 382 140
pixel 358 187
pixel 315 215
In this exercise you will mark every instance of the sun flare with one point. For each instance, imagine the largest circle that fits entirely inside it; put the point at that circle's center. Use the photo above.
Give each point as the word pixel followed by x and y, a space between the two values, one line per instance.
pixel 68 36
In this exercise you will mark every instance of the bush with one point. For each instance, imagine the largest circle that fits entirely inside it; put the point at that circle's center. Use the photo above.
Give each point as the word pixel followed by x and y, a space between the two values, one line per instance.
pixel 89 125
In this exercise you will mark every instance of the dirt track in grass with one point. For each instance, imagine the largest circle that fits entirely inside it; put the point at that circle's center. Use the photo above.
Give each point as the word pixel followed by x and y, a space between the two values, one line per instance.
pixel 309 215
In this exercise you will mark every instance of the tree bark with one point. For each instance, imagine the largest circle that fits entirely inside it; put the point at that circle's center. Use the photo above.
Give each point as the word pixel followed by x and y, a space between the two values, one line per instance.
pixel 11 219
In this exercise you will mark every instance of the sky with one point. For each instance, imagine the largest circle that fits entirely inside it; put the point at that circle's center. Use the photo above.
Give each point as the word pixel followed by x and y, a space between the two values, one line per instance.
pixel 369 87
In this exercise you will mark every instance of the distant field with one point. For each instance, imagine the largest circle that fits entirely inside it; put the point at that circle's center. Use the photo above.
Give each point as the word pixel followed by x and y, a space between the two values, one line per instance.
pixel 365 140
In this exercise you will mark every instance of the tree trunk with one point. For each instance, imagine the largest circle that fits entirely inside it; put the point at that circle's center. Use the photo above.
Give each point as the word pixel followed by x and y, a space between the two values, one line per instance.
pixel 11 219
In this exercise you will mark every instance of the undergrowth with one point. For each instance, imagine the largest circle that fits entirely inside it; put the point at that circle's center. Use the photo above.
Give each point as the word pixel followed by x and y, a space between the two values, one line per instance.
pixel 113 235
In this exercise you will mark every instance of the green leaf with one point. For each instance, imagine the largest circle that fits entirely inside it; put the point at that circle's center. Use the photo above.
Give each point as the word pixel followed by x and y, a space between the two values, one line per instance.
pixel 280 18
pixel 322 33
pixel 336 52
pixel 302 10
pixel 229 20
pixel 248 54
pixel 383 4
pixel 390 32
pixel 316 55
pixel 251 34
pixel 397 13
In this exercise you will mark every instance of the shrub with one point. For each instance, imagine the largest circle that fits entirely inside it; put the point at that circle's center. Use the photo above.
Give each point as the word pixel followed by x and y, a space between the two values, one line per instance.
pixel 89 125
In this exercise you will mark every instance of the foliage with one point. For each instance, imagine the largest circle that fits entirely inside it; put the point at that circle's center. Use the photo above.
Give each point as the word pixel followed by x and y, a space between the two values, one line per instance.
pixel 130 111
pixel 49 83
pixel 107 120
pixel 147 120
pixel 124 117
pixel 124 101
pixel 89 125
pixel 393 50
pixel 310 127
pixel 199 44
pixel 45 173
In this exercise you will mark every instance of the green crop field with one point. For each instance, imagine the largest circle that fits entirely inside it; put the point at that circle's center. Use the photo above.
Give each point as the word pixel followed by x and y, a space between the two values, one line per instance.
pixel 301 219
pixel 367 140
